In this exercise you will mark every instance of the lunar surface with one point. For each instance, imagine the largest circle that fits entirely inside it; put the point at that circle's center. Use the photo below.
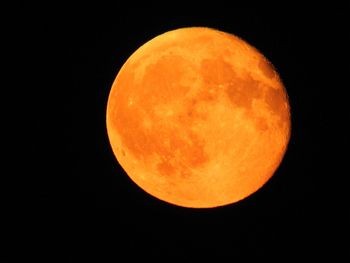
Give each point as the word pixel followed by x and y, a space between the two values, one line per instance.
pixel 198 118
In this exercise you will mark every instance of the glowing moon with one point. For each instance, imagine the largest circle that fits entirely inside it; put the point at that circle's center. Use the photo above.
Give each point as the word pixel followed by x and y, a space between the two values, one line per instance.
pixel 198 118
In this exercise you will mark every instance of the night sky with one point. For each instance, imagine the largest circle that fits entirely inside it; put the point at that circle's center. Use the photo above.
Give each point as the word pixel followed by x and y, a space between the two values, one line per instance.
pixel 80 204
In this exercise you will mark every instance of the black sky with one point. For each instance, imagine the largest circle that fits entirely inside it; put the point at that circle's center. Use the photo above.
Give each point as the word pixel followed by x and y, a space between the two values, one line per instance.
pixel 80 203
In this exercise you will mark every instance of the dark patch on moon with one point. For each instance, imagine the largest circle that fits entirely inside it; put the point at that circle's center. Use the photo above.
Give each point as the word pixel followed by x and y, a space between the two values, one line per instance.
pixel 216 71
pixel 277 101
pixel 242 90
pixel 261 124
pixel 145 143
pixel 162 79
pixel 267 68
pixel 178 151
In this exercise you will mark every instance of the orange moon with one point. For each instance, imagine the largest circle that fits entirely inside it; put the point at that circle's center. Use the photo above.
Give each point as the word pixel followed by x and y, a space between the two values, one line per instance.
pixel 198 118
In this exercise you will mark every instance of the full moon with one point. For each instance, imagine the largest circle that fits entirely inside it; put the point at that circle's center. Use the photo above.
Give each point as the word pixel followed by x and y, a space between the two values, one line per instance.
pixel 198 118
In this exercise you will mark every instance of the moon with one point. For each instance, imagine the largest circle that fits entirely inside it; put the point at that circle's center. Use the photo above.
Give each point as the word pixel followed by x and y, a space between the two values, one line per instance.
pixel 198 118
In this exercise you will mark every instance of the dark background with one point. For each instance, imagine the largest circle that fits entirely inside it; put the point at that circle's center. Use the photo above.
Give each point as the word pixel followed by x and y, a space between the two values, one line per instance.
pixel 79 203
